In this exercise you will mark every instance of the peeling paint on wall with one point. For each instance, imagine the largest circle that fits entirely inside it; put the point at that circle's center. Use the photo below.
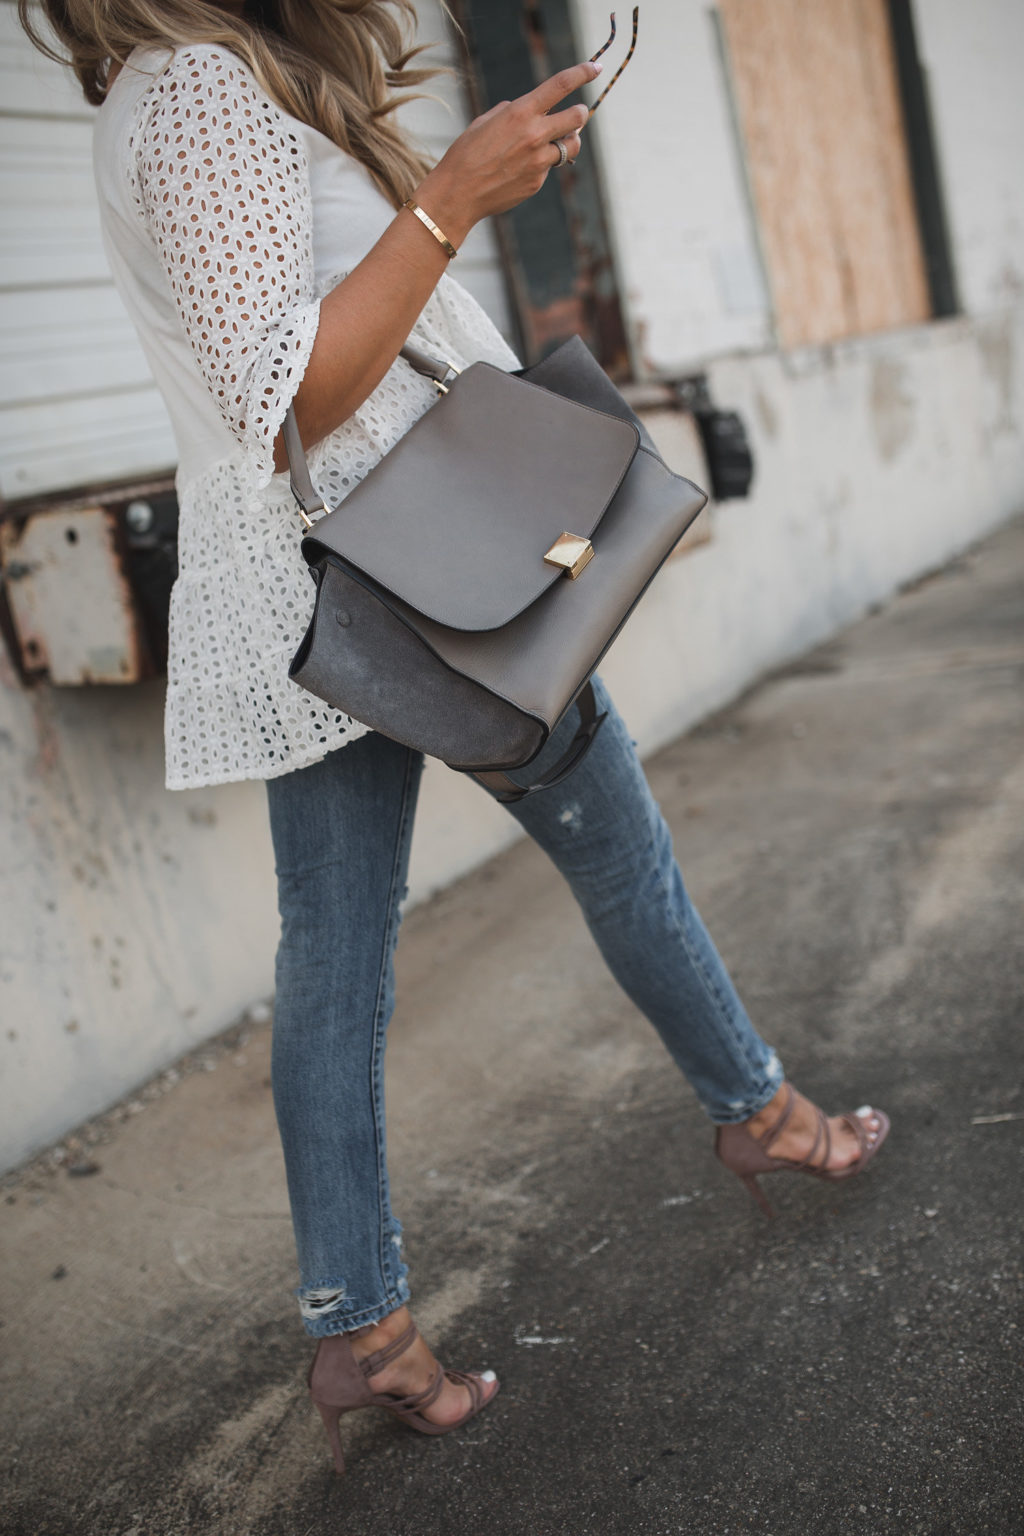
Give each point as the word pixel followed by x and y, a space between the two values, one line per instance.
pixel 998 361
pixel 767 414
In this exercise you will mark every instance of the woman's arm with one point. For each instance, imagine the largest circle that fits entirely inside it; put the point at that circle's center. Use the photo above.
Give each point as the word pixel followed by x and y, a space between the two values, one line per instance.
pixel 500 160
pixel 223 184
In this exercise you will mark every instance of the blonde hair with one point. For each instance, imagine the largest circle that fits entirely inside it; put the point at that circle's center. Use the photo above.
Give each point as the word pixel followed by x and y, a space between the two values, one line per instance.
pixel 331 63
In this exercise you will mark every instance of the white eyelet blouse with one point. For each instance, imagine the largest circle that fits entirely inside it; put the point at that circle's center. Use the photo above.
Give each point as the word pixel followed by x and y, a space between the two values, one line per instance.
pixel 226 221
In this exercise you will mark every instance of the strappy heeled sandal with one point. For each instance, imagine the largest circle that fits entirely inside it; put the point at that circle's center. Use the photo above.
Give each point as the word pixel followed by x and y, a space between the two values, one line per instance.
pixel 746 1154
pixel 339 1382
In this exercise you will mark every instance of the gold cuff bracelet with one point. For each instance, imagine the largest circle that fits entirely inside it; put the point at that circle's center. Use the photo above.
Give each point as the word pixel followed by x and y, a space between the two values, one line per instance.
pixel 428 223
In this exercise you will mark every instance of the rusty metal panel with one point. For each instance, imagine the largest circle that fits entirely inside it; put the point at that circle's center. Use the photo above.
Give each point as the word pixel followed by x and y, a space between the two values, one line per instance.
pixel 556 247
pixel 69 599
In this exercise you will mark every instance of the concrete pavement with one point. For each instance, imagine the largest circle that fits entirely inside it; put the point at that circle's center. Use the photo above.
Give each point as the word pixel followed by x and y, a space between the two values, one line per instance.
pixel 671 1362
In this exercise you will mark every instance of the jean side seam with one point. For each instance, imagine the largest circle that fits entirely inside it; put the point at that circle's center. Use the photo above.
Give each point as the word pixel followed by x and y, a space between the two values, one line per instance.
pixel 376 1067
pixel 710 990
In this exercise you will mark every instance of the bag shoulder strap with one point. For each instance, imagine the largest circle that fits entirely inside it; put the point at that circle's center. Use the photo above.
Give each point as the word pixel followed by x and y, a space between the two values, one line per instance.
pixel 308 498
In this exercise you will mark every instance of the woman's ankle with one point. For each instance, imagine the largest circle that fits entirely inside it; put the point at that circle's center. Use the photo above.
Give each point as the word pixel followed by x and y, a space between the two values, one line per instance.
pixel 767 1116
pixel 373 1336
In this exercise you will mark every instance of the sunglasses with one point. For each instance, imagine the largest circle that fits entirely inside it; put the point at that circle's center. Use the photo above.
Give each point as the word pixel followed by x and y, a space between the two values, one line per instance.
pixel 595 56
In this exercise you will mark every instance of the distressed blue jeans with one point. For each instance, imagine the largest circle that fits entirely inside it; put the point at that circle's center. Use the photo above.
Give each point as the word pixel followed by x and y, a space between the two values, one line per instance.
pixel 341 832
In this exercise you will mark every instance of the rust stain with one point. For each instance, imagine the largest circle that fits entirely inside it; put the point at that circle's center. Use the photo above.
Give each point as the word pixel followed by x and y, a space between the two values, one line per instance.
pixel 767 413
pixel 995 346
pixel 893 407
pixel 47 742
pixel 555 321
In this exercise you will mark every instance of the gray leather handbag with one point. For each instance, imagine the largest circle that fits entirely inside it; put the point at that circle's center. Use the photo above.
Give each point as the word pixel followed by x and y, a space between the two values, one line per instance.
pixel 468 587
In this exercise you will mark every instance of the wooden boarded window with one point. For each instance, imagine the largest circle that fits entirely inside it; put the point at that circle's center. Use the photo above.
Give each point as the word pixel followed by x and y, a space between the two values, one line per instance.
pixel 819 106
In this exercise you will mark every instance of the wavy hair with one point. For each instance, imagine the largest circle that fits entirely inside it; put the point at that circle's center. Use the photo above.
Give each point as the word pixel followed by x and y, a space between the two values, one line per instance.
pixel 334 64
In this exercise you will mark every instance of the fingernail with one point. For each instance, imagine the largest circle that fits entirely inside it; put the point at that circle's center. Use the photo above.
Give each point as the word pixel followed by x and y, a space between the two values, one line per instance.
pixel 597 65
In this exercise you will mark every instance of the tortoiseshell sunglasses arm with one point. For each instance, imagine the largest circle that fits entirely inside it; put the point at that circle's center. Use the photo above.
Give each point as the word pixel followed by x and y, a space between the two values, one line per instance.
pixel 595 56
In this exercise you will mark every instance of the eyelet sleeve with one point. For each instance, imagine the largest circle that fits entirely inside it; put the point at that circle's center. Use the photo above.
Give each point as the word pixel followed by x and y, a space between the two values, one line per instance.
pixel 223 186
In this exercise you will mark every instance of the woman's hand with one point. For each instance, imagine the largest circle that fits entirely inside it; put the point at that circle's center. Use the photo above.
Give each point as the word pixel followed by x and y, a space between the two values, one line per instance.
pixel 504 156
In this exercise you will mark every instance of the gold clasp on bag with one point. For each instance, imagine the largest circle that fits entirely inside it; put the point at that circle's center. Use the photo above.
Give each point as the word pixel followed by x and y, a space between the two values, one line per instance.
pixel 571 554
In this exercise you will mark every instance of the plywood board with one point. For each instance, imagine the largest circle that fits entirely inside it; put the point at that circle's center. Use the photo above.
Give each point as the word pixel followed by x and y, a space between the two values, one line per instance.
pixel 818 103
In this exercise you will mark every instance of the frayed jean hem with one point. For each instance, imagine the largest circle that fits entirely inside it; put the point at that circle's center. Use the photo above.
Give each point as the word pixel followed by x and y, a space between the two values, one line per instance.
pixel 735 1114
pixel 340 1320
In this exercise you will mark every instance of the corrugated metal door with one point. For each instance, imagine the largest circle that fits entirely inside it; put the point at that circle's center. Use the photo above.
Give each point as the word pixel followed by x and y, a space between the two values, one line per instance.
pixel 76 403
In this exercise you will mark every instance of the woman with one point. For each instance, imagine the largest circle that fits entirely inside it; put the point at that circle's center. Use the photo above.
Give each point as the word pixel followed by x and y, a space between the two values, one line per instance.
pixel 253 188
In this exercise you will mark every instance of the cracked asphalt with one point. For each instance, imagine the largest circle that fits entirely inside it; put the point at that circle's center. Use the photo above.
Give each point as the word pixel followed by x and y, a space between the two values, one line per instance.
pixel 853 830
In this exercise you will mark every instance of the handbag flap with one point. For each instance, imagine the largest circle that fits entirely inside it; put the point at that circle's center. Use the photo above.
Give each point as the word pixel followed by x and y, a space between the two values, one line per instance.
pixel 457 518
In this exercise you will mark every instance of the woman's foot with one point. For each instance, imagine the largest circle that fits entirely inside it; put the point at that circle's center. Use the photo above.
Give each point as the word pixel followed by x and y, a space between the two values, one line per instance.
pixel 791 1135
pixel 797 1138
pixel 414 1370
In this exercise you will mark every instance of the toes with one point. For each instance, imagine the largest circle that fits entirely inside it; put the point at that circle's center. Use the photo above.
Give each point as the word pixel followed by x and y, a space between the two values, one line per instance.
pixel 478 1386
pixel 872 1124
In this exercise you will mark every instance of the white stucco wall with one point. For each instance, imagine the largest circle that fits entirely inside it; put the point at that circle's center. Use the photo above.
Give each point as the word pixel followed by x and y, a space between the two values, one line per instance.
pixel 134 923
pixel 685 242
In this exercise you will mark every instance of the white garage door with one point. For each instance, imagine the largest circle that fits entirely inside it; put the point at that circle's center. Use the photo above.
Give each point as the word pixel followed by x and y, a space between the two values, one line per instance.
pixel 76 403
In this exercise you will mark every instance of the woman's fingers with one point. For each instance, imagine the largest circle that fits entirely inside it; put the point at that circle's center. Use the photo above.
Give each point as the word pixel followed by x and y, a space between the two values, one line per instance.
pixel 493 112
pixel 550 92
pixel 560 124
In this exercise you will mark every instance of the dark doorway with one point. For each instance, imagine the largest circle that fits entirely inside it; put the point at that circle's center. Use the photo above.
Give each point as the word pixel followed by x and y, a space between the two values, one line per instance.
pixel 555 247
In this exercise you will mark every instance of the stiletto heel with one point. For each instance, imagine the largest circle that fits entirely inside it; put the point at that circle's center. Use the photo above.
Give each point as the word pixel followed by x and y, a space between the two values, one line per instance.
pixel 759 1195
pixel 339 1383
pixel 746 1154
pixel 331 1416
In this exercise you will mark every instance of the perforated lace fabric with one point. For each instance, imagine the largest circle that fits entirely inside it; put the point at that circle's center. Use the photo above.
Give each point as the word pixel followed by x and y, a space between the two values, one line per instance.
pixel 220 178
